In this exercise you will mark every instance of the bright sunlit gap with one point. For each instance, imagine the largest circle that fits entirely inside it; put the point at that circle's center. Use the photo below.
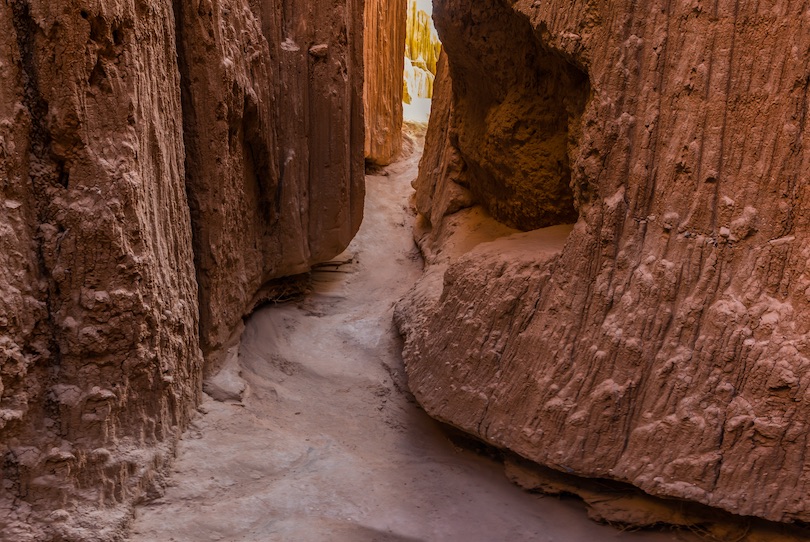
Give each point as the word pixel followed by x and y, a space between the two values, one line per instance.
pixel 422 48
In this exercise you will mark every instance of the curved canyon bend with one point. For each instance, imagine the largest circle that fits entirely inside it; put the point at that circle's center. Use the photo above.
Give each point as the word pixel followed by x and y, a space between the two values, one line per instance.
pixel 325 443
pixel 596 282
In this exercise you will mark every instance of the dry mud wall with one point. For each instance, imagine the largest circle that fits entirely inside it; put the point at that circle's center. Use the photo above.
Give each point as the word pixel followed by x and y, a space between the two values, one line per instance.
pixel 663 343
pixel 159 164
pixel 384 42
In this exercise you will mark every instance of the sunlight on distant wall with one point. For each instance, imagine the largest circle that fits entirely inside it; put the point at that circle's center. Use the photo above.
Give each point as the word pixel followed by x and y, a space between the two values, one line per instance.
pixel 422 47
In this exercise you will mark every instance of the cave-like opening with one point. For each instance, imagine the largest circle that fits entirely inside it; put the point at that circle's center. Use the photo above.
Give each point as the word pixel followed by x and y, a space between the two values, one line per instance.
pixel 517 109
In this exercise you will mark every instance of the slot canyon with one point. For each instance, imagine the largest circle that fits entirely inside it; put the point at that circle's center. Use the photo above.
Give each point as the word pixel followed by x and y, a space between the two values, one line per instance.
pixel 249 293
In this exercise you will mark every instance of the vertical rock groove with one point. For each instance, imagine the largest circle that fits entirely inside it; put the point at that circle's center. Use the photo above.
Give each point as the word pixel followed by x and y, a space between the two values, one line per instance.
pixel 273 172
pixel 42 176
pixel 25 31
pixel 143 215
pixel 664 344
pixel 384 45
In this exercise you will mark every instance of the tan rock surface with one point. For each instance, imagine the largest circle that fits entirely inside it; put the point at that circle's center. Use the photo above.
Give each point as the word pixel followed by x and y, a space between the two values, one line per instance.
pixel 100 353
pixel 664 341
pixel 421 45
pixel 382 93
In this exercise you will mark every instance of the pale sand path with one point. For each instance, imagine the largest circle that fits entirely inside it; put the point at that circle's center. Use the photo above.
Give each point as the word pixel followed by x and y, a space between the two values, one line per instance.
pixel 327 446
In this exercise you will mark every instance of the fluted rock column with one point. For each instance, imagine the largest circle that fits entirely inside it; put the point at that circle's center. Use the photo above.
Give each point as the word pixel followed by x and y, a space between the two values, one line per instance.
pixel 384 64
pixel 160 163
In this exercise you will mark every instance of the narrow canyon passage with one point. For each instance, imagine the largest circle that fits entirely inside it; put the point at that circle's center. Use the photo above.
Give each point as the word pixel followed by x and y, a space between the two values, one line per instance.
pixel 325 442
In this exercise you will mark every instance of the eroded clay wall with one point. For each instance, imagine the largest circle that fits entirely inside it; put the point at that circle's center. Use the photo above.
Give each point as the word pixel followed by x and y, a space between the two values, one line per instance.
pixel 101 363
pixel 274 128
pixel 664 343
pixel 137 139
pixel 422 49
pixel 384 64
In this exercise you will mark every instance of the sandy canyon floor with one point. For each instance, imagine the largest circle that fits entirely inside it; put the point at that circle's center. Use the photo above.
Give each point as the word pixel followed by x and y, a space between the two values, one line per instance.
pixel 326 444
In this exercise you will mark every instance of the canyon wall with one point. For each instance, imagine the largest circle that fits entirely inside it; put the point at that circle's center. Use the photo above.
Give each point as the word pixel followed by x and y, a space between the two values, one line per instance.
pixel 662 339
pixel 442 185
pixel 272 105
pixel 382 93
pixel 160 164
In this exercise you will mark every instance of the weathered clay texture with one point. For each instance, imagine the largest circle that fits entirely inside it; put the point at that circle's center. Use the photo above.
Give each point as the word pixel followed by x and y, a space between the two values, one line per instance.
pixel 100 351
pixel 441 185
pixel 100 357
pixel 384 63
pixel 664 342
pixel 272 110
pixel 514 113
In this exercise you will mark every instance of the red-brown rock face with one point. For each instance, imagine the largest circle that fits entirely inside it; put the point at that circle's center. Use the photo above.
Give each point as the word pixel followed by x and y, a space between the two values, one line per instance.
pixel 512 114
pixel 273 144
pixel 119 169
pixel 441 186
pixel 664 342
pixel 384 62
